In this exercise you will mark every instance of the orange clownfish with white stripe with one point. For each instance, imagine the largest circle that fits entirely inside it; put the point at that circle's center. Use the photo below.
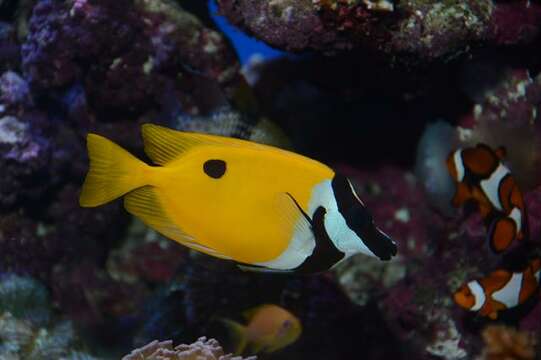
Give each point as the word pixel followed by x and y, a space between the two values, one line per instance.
pixel 500 290
pixel 265 208
pixel 481 176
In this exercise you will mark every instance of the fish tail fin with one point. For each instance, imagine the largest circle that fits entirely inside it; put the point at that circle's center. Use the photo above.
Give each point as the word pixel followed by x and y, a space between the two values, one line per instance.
pixel 238 335
pixel 113 172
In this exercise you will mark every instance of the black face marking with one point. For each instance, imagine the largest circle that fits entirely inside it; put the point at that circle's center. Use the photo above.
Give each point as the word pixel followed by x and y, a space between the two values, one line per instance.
pixel 359 219
pixel 214 168
pixel 325 254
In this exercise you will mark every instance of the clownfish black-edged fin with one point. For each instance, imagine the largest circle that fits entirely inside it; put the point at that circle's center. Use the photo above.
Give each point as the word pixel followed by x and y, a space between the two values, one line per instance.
pixel 145 204
pixel 238 335
pixel 163 145
pixel 113 172
pixel 501 234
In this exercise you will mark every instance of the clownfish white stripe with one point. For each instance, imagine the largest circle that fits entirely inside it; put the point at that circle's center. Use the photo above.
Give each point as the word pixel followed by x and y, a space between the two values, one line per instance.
pixel 509 294
pixel 516 215
pixel 478 294
pixel 491 186
pixel 460 171
pixel 537 275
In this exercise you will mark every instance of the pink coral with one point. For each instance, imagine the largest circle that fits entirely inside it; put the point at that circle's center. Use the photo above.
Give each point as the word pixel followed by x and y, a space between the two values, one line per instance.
pixel 202 349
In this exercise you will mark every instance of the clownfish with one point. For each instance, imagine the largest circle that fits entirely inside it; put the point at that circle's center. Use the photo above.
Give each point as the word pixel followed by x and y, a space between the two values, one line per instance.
pixel 269 328
pixel 481 176
pixel 500 290
pixel 265 208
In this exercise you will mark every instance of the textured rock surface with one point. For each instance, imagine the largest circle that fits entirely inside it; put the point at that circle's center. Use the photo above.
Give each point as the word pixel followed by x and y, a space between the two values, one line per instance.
pixel 421 29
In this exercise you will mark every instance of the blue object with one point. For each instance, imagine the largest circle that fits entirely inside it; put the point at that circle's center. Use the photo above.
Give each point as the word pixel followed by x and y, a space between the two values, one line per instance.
pixel 245 45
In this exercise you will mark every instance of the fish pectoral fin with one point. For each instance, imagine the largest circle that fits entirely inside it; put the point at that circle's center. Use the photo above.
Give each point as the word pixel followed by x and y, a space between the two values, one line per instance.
pixel 502 232
pixel 293 220
pixel 145 204
pixel 164 145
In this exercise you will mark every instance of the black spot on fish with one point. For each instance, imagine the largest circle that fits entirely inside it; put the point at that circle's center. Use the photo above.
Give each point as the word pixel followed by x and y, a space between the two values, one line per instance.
pixel 214 168
pixel 359 219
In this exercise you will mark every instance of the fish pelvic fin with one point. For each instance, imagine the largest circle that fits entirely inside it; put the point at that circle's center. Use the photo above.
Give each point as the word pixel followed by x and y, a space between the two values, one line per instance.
pixel 113 172
pixel 238 335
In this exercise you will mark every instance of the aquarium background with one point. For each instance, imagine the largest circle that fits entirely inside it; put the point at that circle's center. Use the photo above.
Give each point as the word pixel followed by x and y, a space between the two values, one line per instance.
pixel 380 90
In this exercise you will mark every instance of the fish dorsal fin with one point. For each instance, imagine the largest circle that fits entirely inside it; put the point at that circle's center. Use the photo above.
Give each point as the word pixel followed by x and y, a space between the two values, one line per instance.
pixel 495 281
pixel 145 204
pixel 250 313
pixel 163 145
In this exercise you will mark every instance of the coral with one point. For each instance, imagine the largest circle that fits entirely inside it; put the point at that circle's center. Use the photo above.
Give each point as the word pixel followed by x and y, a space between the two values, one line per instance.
pixel 505 343
pixel 508 116
pixel 228 122
pixel 9 48
pixel 24 297
pixel 202 349
pixel 421 29
pixel 27 328
pixel 23 157
pixel 101 44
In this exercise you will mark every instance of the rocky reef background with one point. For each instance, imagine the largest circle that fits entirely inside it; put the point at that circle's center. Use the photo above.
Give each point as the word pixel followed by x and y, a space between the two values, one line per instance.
pixel 360 82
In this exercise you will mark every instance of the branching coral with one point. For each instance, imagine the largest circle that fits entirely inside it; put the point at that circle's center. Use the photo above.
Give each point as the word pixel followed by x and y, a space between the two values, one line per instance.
pixel 202 349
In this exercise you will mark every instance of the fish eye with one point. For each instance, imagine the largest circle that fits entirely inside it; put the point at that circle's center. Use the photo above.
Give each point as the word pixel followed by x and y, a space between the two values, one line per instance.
pixel 214 168
pixel 287 324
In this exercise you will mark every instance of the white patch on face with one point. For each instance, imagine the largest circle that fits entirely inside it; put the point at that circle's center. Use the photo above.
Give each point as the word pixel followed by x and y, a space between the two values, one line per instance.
pixel 491 186
pixel 478 294
pixel 516 215
pixel 509 294
pixel 459 165
pixel 345 239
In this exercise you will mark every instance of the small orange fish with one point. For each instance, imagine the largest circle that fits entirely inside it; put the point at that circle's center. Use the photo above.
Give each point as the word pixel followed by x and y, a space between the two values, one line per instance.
pixel 481 176
pixel 270 328
pixel 500 290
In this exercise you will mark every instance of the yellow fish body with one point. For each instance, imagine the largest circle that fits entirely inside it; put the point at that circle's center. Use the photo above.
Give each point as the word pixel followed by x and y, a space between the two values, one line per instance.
pixel 263 207
pixel 269 328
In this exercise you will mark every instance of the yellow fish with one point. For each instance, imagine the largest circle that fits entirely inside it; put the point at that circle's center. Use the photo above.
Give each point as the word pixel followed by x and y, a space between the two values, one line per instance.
pixel 270 328
pixel 266 208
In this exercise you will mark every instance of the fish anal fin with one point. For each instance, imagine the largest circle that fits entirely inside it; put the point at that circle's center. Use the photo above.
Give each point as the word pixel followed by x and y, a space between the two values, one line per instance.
pixel 145 204
pixel 260 269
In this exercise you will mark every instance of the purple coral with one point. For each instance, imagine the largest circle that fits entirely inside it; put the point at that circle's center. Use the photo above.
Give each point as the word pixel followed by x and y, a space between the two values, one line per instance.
pixel 101 44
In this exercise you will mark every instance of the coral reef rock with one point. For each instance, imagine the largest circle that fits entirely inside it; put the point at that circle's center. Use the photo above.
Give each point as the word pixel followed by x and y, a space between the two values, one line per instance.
pixel 202 349
pixel 422 29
